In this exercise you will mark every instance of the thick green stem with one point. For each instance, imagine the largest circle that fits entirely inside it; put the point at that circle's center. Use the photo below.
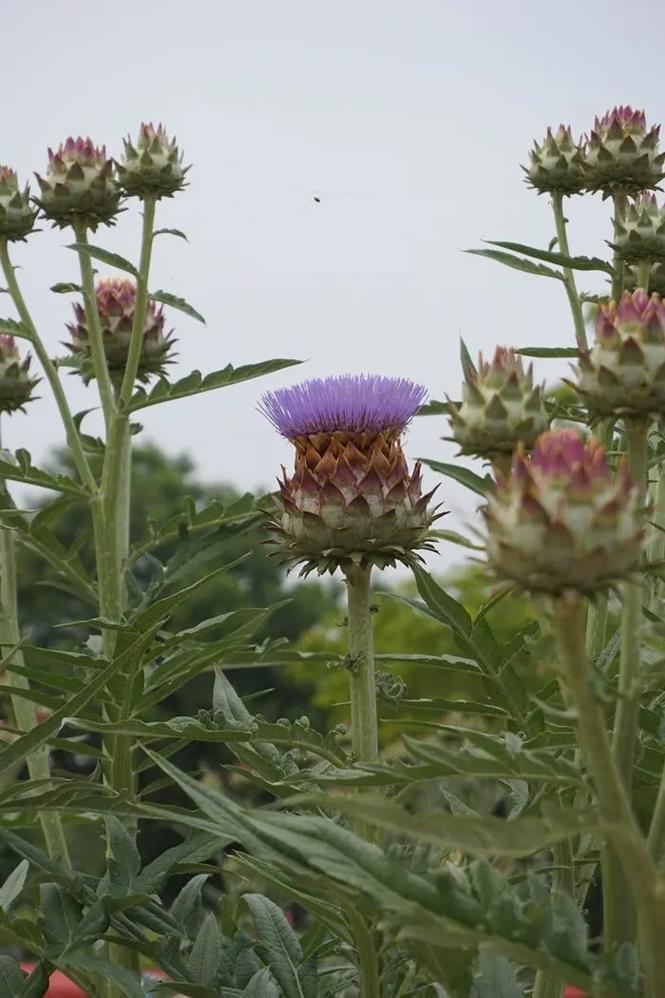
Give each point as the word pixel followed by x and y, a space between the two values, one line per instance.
pixel 644 275
pixel 95 337
pixel 596 623
pixel 619 201
pixel 370 985
pixel 73 437
pixel 364 724
pixel 640 872
pixel 25 713
pixel 568 276
pixel 141 303
pixel 625 724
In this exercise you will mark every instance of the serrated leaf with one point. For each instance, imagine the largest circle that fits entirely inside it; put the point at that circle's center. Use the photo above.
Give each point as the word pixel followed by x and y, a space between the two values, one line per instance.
pixel 170 232
pixel 549 352
pixel 495 976
pixel 481 486
pixel 279 944
pixel 10 327
pixel 60 917
pixel 123 861
pixel 105 256
pixel 433 408
pixel 195 383
pixel 205 958
pixel 65 288
pixel 518 263
pixel 13 885
pixel 12 978
pixel 21 469
pixel 562 259
pixel 127 982
pixel 166 298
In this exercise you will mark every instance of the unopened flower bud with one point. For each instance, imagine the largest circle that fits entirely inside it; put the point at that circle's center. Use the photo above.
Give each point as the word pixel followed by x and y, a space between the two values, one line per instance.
pixel 152 167
pixel 79 187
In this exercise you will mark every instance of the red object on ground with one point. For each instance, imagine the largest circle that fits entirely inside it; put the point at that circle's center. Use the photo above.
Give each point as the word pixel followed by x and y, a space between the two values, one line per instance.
pixel 573 993
pixel 59 985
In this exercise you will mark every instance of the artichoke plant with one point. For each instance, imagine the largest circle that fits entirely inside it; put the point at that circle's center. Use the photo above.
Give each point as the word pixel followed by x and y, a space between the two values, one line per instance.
pixel 16 385
pixel 352 499
pixel 640 235
pixel 557 163
pixel 622 154
pixel 624 372
pixel 151 167
pixel 80 187
pixel 562 521
pixel 17 215
pixel 500 406
pixel 116 303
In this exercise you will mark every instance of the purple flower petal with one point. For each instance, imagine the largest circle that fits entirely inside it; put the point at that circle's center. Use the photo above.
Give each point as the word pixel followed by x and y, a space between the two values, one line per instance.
pixel 349 403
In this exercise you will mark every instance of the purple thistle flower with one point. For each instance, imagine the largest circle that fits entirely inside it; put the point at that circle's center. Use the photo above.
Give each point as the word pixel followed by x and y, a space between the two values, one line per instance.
pixel 346 403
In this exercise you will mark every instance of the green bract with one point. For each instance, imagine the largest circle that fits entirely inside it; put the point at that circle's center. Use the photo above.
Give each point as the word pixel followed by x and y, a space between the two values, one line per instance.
pixel 153 166
pixel 17 216
pixel 500 406
pixel 641 233
pixel 79 187
pixel 16 385
pixel 556 164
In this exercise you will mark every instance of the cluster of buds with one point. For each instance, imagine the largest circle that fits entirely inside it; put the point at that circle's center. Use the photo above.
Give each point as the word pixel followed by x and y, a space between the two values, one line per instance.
pixel 562 521
pixel 80 187
pixel 152 167
pixel 16 385
pixel 624 372
pixel 351 499
pixel 116 305
pixel 17 215
pixel 500 406
pixel 620 155
pixel 640 235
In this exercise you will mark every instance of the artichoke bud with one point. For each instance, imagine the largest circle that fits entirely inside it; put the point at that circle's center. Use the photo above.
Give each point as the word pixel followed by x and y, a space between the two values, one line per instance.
pixel 152 167
pixel 641 234
pixel 557 164
pixel 116 304
pixel 17 216
pixel 561 521
pixel 351 499
pixel 16 385
pixel 500 406
pixel 624 372
pixel 622 155
pixel 79 187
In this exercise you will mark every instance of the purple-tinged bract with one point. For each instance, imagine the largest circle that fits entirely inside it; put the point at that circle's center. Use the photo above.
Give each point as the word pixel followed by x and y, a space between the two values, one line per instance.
pixel 561 520
pixel 351 499
pixel 80 186
pixel 624 372
pixel 556 165
pixel 17 215
pixel 116 304
pixel 500 406
pixel 152 166
pixel 348 403
pixel 16 385
pixel 621 155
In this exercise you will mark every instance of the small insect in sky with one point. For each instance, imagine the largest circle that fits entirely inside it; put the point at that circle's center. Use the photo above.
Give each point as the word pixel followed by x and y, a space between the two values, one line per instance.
pixel 317 199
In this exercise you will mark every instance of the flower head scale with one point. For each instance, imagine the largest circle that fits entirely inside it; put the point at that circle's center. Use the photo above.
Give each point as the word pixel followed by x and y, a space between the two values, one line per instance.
pixel 351 499
pixel 152 166
pixel 79 186
pixel 17 214
pixel 621 155
pixel 562 520
pixel 16 385
pixel 624 372
pixel 116 303
pixel 556 164
pixel 347 403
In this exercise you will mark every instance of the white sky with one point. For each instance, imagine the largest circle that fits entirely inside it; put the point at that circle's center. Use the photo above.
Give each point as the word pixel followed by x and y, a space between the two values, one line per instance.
pixel 407 120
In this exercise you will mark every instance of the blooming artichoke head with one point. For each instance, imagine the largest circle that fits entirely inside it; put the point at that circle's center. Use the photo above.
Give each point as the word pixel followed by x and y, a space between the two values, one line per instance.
pixel 116 304
pixel 351 499
pixel 556 165
pixel 624 372
pixel 641 234
pixel 16 385
pixel 562 521
pixel 17 216
pixel 500 406
pixel 622 154
pixel 152 167
pixel 79 187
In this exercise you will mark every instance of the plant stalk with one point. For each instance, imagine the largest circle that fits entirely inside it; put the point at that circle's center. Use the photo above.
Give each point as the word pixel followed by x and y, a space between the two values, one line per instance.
pixel 370 986
pixel 364 723
pixel 25 712
pixel 73 437
pixel 644 275
pixel 619 202
pixel 568 276
pixel 640 873
pixel 96 340
pixel 141 303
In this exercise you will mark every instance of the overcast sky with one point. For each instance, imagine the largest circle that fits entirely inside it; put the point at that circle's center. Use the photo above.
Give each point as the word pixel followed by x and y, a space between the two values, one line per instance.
pixel 407 120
